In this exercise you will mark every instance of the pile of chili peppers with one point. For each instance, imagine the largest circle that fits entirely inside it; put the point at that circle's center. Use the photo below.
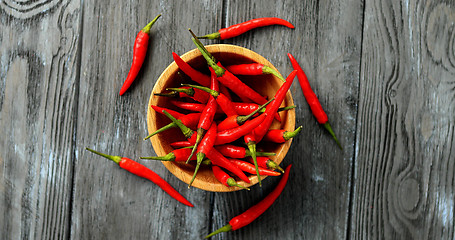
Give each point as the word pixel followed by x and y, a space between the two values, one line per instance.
pixel 225 121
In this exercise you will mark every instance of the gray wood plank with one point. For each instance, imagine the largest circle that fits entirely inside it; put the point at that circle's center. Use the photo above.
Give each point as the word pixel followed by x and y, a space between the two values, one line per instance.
pixel 110 203
pixel 404 177
pixel 327 43
pixel 38 98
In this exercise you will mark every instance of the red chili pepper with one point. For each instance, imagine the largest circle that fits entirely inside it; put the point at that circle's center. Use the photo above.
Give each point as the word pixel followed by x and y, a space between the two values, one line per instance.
pixel 204 147
pixel 280 135
pixel 170 111
pixel 312 99
pixel 254 212
pixel 237 29
pixel 177 155
pixel 236 120
pixel 266 162
pixel 233 134
pixel 224 102
pixel 225 179
pixel 181 144
pixel 139 52
pixel 195 75
pixel 241 108
pixel 233 151
pixel 253 69
pixel 189 134
pixel 195 94
pixel 189 120
pixel 207 115
pixel 144 172
pixel 249 168
pixel 219 160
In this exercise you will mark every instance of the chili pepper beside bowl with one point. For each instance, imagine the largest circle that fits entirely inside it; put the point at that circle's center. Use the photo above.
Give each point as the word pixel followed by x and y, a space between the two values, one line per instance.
pixel 266 85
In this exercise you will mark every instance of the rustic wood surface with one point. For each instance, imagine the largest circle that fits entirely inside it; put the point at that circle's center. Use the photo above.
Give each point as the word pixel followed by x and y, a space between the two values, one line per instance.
pixel 383 70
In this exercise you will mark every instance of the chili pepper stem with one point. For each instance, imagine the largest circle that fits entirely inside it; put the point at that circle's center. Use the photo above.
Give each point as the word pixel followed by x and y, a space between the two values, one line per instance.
pixel 269 70
pixel 146 29
pixel 289 135
pixel 226 228
pixel 242 119
pixel 205 89
pixel 200 157
pixel 329 128
pixel 208 57
pixel 215 35
pixel 231 182
pixel 185 130
pixel 169 126
pixel 116 159
pixel 168 157
pixel 170 94
pixel 200 133
pixel 252 148
pixel 274 165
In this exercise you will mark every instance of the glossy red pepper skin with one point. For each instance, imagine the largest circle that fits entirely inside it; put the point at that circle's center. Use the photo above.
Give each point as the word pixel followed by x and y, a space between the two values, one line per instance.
pixel 194 74
pixel 181 144
pixel 224 178
pixel 230 135
pixel 177 155
pixel 253 69
pixel 255 211
pixel 232 151
pixel 240 28
pixel 234 121
pixel 186 92
pixel 250 168
pixel 139 52
pixel 144 172
pixel 219 160
pixel 280 135
pixel 223 102
pixel 170 111
pixel 203 148
pixel 266 162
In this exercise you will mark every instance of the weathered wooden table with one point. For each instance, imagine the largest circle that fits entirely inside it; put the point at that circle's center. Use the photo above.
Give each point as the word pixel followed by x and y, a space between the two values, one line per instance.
pixel 383 70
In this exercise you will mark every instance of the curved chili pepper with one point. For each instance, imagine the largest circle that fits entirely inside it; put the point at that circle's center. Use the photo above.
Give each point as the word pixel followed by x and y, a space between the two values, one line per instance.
pixel 177 155
pixel 189 120
pixel 249 168
pixel 219 160
pixel 238 120
pixel 170 111
pixel 181 144
pixel 255 211
pixel 195 94
pixel 266 162
pixel 233 134
pixel 280 135
pixel 194 74
pixel 312 99
pixel 189 134
pixel 204 147
pixel 225 179
pixel 240 28
pixel 144 172
pixel 253 69
pixel 224 102
pixel 233 151
pixel 139 52
pixel 207 115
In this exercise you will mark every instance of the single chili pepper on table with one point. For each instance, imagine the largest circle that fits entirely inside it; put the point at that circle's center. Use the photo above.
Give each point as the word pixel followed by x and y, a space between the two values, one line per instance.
pixel 253 69
pixel 249 168
pixel 312 99
pixel 205 146
pixel 225 179
pixel 189 120
pixel 280 135
pixel 177 155
pixel 207 114
pixel 223 102
pixel 139 52
pixel 232 151
pixel 144 172
pixel 265 162
pixel 255 211
pixel 240 28
pixel 238 120
pixel 195 94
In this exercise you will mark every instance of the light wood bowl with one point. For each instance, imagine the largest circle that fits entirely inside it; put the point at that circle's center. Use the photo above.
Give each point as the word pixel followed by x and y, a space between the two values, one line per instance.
pixel 266 85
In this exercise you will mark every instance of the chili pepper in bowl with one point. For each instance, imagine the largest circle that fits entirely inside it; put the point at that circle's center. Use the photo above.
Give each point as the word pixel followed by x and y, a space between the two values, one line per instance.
pixel 238 120
pixel 139 52
pixel 224 102
pixel 249 168
pixel 280 135
pixel 265 162
pixel 177 155
pixel 253 69
pixel 240 28
pixel 181 144
pixel 189 120
pixel 232 151
pixel 144 172
pixel 189 134
pixel 312 99
pixel 194 74
pixel 255 211
pixel 225 179
pixel 195 94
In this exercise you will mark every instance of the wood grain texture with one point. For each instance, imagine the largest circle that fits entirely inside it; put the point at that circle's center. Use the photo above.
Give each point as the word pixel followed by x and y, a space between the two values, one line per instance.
pixel 38 98
pixel 110 203
pixel 404 184
pixel 327 43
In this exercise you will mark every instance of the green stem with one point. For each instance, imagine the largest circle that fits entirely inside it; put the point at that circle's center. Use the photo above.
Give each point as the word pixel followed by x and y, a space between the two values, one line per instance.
pixel 286 108
pixel 200 134
pixel 168 157
pixel 116 159
pixel 146 29
pixel 208 57
pixel 231 182
pixel 169 126
pixel 259 154
pixel 242 119
pixel 205 89
pixel 187 132
pixel 199 157
pixel 329 128
pixel 273 165
pixel 187 91
pixel 288 135
pixel 226 228
pixel 215 35
pixel 269 70
pixel 252 148
pixel 173 94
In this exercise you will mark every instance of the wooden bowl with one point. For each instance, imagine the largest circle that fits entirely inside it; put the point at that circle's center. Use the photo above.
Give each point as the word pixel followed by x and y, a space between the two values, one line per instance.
pixel 266 85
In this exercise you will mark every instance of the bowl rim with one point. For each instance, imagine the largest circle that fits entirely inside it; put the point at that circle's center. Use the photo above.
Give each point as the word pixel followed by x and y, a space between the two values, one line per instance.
pixel 159 84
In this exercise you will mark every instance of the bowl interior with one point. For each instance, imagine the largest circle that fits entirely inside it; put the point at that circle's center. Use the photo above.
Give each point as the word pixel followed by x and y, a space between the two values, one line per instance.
pixel 266 85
